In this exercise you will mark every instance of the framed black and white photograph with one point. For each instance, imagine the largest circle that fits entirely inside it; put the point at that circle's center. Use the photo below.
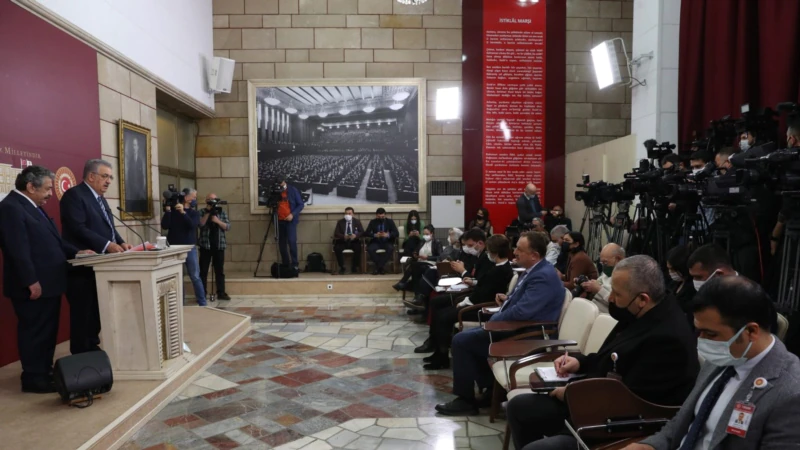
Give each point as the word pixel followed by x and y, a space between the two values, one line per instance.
pixel 340 142
pixel 134 170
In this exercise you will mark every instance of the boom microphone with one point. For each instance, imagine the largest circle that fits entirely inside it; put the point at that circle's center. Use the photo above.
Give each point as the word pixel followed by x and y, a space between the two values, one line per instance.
pixel 144 247
pixel 141 222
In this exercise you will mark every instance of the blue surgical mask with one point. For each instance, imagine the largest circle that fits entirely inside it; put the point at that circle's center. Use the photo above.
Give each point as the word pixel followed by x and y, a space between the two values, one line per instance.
pixel 719 353
pixel 744 144
pixel 193 203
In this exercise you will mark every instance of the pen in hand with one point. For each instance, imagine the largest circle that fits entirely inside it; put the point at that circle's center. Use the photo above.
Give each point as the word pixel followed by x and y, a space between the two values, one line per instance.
pixel 563 363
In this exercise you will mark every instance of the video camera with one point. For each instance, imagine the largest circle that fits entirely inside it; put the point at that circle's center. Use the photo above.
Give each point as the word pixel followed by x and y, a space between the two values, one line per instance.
pixel 271 194
pixel 173 197
pixel 215 203
pixel 657 151
pixel 601 193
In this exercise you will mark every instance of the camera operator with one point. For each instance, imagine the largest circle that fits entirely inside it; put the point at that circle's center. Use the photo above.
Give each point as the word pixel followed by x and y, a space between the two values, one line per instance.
pixel 214 224
pixel 182 222
pixel 747 140
pixel 792 141
pixel 289 208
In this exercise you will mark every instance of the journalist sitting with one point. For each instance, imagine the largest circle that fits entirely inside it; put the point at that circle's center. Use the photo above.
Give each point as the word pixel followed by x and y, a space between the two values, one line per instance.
pixel 346 236
pixel 538 296
pixel 554 255
pixel 383 232
pixel 421 259
pixel 656 357
pixel 748 374
pixel 182 223
pixel 555 217
pixel 214 224
pixel 598 290
pixel 537 224
pixel 453 247
pixel 578 262
pixel 487 285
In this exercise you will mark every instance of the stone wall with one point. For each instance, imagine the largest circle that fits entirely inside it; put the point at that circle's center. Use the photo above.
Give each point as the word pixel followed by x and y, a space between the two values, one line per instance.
pixel 595 116
pixel 284 39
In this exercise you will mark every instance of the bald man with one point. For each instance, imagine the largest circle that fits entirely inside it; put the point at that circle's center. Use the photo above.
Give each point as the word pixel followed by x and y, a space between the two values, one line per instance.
pixel 528 205
pixel 599 289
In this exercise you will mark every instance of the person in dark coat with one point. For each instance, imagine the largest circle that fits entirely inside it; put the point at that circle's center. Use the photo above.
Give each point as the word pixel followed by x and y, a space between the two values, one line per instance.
pixel 382 233
pixel 414 227
pixel 528 205
pixel 422 258
pixel 578 262
pixel 347 235
pixel 680 282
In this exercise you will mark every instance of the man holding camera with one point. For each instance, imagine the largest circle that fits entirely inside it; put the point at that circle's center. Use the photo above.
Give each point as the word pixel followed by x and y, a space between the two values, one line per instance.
pixel 214 224
pixel 289 208
pixel 182 222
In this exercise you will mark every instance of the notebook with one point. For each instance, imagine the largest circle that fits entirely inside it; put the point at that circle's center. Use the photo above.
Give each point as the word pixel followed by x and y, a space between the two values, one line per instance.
pixel 549 375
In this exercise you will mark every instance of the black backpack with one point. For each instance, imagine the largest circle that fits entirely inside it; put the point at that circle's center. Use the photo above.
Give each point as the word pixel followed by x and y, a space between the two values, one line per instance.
pixel 283 271
pixel 315 263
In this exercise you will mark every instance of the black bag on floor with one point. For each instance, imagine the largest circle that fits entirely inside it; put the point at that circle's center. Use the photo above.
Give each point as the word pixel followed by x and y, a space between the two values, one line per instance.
pixel 315 263
pixel 83 376
pixel 283 271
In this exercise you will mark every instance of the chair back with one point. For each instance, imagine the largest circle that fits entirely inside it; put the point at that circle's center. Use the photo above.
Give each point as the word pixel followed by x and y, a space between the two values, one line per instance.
pixel 567 300
pixel 601 328
pixel 513 283
pixel 578 321
pixel 401 231
pixel 783 326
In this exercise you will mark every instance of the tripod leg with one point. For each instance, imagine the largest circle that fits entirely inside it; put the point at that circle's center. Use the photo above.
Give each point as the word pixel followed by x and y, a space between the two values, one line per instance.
pixel 263 244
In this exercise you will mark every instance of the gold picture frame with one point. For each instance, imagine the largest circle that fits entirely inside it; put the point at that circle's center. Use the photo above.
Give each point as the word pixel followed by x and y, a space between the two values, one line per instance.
pixel 308 109
pixel 135 174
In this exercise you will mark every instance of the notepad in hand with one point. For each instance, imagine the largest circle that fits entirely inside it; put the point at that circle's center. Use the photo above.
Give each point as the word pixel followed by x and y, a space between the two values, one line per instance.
pixel 457 287
pixel 549 375
pixel 492 310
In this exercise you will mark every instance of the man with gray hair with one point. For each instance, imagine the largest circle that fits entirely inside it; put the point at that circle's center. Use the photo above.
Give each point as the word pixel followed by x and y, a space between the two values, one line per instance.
pixel 656 357
pixel 554 247
pixel 87 222
pixel 598 290
pixel 34 282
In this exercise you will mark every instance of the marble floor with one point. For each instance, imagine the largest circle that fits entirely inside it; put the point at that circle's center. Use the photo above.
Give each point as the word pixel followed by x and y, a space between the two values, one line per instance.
pixel 319 373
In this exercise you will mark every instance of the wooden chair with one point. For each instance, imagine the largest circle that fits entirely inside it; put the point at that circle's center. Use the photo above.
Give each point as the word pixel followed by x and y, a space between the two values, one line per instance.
pixel 365 255
pixel 335 263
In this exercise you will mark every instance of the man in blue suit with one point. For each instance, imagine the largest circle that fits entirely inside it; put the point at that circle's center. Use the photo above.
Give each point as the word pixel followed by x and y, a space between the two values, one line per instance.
pixel 87 222
pixel 34 274
pixel 288 216
pixel 538 296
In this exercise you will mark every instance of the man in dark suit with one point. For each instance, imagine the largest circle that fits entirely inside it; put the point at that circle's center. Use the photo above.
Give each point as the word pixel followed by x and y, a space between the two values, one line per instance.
pixel 288 217
pixel 346 236
pixel 538 296
pixel 656 356
pixel 747 370
pixel 383 232
pixel 87 222
pixel 528 205
pixel 34 274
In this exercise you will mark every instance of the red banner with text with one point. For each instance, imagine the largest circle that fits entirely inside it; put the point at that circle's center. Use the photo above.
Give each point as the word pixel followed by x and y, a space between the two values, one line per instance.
pixel 513 104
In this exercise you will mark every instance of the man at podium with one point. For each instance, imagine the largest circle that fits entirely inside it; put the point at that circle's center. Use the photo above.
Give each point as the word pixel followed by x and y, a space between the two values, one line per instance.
pixel 87 222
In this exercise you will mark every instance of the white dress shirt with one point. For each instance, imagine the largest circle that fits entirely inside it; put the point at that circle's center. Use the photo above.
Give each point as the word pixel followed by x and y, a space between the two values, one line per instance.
pixel 553 250
pixel 742 372
pixel 426 249
pixel 27 198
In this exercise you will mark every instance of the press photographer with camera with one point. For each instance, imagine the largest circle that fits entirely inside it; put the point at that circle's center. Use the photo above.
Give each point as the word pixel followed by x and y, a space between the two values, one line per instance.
pixel 214 224
pixel 181 219
pixel 580 267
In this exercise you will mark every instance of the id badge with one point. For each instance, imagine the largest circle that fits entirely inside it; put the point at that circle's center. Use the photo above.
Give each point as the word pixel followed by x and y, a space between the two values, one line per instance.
pixel 740 419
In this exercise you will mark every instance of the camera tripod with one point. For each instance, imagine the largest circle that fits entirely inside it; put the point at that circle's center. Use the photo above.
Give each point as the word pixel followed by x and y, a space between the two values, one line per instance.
pixel 693 226
pixel 598 225
pixel 652 238
pixel 273 221
pixel 789 284
pixel 622 222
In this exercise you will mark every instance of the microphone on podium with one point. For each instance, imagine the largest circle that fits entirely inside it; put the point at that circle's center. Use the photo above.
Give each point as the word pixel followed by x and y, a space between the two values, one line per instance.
pixel 141 222
pixel 144 247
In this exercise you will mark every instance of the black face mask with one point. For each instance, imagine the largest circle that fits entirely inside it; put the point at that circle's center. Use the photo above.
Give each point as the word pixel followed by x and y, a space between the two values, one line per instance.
pixel 621 315
pixel 479 218
pixel 565 247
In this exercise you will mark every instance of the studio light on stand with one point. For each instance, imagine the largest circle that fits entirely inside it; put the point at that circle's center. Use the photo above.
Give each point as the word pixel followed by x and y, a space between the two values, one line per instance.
pixel 606 65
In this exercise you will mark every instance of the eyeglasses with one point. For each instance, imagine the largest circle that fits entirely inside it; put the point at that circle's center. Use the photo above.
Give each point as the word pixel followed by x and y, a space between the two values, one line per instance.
pixel 105 176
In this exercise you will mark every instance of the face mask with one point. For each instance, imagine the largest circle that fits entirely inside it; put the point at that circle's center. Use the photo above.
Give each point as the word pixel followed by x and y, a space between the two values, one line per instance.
pixel 193 204
pixel 719 353
pixel 470 251
pixel 556 213
pixel 696 171
pixel 479 218
pixel 699 283
pixel 608 270
pixel 675 276
pixel 744 144
pixel 622 315
pixel 426 237
pixel 348 217
pixel 565 247
pixel 413 222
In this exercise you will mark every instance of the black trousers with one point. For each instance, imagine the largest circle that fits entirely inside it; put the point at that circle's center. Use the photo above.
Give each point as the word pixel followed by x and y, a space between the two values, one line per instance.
pixel 410 244
pixel 84 313
pixel 217 258
pixel 341 246
pixel 37 332
pixel 380 259
pixel 414 272
pixel 423 288
pixel 534 416
pixel 444 318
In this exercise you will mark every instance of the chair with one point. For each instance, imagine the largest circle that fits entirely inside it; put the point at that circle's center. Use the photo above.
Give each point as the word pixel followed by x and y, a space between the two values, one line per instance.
pixel 783 326
pixel 365 255
pixel 335 263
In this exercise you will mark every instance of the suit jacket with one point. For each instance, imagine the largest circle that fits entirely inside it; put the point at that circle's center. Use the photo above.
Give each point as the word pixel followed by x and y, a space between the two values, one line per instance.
pixel 32 249
pixel 493 281
pixel 774 423
pixel 525 212
pixel 482 265
pixel 389 226
pixel 657 355
pixel 83 223
pixel 341 228
pixel 539 296
pixel 436 249
pixel 579 264
pixel 295 202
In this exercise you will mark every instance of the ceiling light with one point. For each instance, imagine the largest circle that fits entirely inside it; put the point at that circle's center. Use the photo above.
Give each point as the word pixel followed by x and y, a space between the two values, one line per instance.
pixel 412 2
pixel 323 114
pixel 303 116
pixel 396 106
pixel 448 103
pixel 344 111
pixel 606 66
pixel 400 96
pixel 369 109
pixel 290 110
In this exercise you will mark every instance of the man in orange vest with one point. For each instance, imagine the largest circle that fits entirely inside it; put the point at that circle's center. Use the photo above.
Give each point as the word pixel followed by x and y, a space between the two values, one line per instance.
pixel 288 216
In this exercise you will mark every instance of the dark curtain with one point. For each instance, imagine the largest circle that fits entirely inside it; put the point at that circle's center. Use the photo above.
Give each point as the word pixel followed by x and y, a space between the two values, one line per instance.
pixel 734 52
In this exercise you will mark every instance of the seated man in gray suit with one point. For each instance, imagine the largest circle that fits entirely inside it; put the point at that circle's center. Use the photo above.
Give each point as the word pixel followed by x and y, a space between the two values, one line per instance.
pixel 538 296
pixel 747 395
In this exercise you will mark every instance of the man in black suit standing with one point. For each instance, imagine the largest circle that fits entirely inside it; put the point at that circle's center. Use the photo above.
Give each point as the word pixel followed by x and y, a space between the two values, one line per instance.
pixel 383 232
pixel 34 274
pixel 528 205
pixel 346 236
pixel 87 222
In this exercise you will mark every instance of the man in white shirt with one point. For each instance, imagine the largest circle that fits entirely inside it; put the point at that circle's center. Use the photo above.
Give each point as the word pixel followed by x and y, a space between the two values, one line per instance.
pixel 747 371
pixel 554 247
pixel 598 290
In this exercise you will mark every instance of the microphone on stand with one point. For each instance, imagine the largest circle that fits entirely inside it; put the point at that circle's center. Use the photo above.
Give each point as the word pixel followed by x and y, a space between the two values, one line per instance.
pixel 144 247
pixel 141 222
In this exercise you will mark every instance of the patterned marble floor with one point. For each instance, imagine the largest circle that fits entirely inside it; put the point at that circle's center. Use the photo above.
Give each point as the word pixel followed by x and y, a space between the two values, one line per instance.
pixel 334 373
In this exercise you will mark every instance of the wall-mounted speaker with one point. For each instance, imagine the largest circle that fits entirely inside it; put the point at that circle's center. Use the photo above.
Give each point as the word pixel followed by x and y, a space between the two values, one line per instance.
pixel 220 75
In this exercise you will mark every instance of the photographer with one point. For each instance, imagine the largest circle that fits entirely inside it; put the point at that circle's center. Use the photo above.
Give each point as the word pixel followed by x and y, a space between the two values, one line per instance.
pixel 182 222
pixel 792 141
pixel 213 225
pixel 289 208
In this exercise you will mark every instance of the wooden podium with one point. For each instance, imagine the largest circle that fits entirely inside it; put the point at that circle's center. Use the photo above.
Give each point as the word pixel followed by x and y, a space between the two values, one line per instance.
pixel 140 295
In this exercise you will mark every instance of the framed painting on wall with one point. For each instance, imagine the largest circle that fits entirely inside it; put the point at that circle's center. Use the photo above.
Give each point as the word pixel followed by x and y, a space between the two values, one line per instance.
pixel 341 142
pixel 135 178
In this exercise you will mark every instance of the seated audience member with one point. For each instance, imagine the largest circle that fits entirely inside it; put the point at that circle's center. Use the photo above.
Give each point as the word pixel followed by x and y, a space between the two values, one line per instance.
pixel 578 262
pixel 599 289
pixel 474 247
pixel 383 232
pixel 680 283
pixel 656 357
pixel 346 237
pixel 488 284
pixel 555 217
pixel 453 247
pixel 414 228
pixel 554 246
pixel 427 252
pixel 481 221
pixel 538 296
pixel 537 224
pixel 528 205
pixel 746 367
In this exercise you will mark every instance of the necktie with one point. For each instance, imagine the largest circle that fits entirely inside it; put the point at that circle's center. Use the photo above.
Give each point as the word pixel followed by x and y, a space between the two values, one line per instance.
pixel 43 213
pixel 705 409
pixel 349 230
pixel 108 219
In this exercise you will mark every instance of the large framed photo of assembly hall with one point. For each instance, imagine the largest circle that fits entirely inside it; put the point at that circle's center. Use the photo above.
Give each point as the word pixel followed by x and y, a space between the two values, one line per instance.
pixel 340 142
